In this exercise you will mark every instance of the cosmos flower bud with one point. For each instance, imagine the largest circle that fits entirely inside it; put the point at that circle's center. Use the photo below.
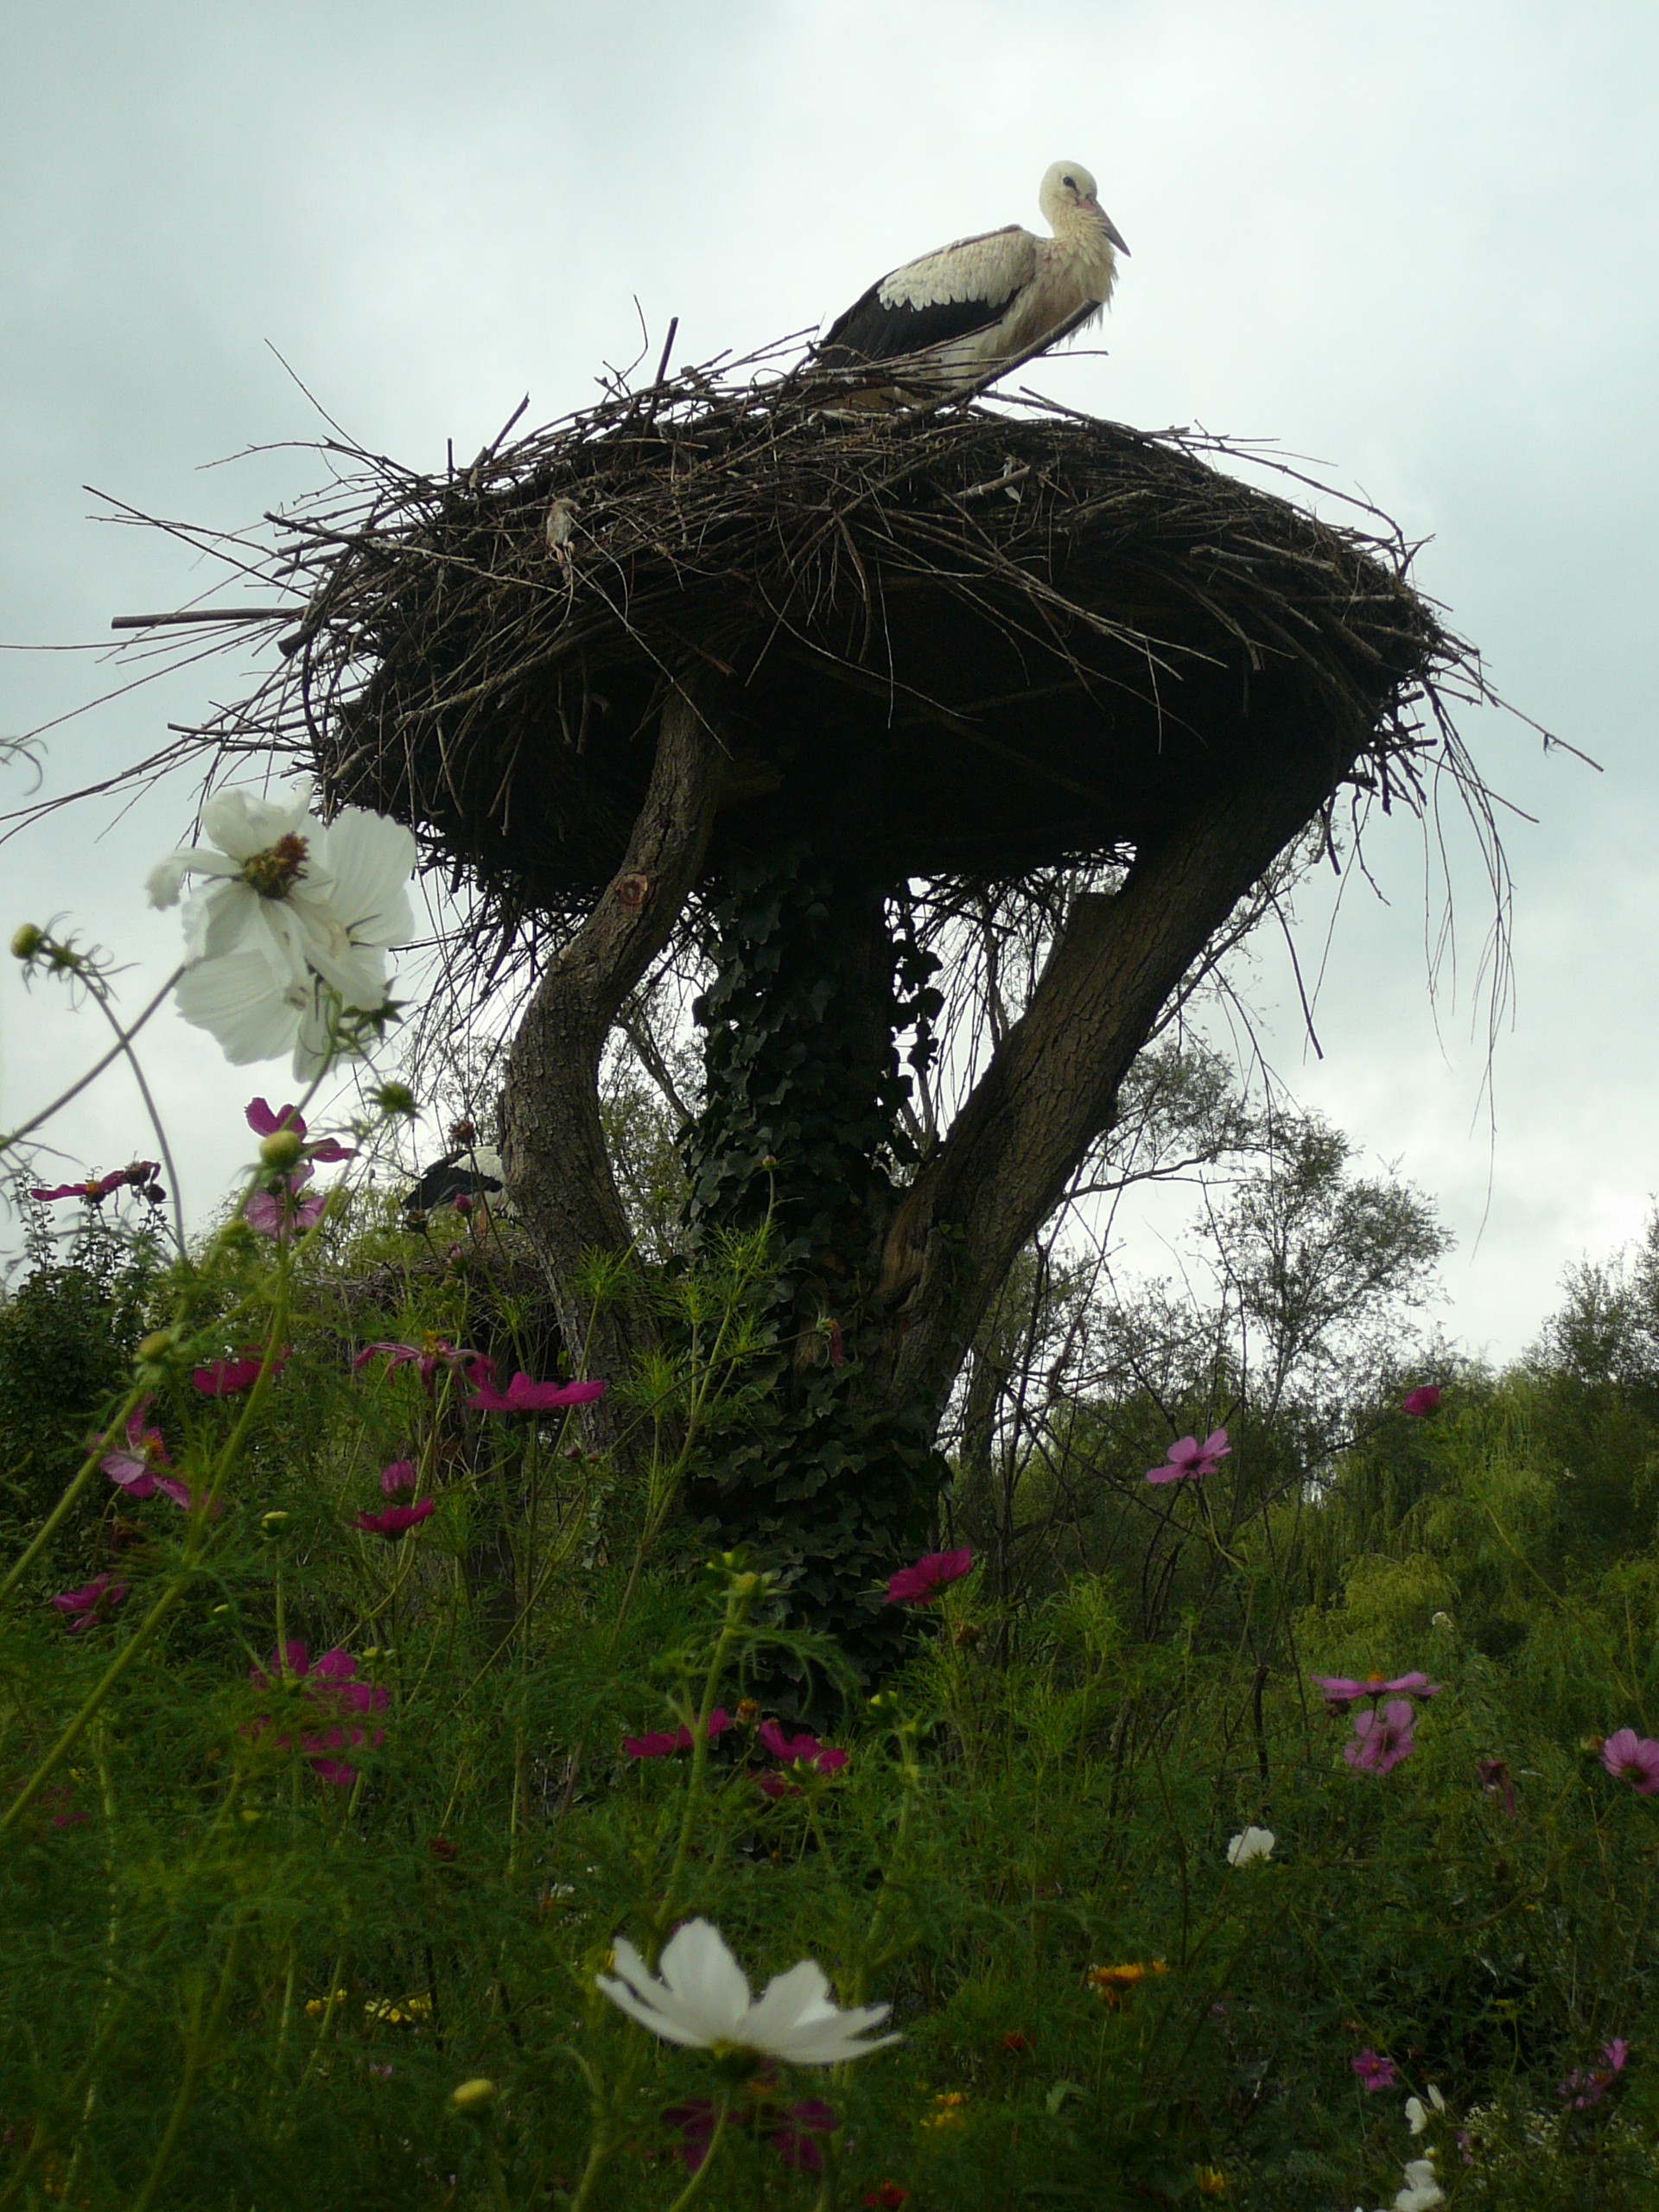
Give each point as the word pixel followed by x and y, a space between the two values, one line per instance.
pixel 281 1148
pixel 474 2095
pixel 26 942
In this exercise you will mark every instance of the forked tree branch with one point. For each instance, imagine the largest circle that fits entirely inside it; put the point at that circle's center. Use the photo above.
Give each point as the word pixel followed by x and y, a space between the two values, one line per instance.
pixel 1051 1087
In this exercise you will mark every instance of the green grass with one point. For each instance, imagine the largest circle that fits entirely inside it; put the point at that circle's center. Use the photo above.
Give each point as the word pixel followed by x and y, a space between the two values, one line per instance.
pixel 232 1982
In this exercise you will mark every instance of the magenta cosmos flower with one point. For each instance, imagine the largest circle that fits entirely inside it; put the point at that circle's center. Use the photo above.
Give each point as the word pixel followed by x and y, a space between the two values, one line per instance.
pixel 133 1466
pixel 1375 2072
pixel 1497 1781
pixel 264 1121
pixel 427 1357
pixel 1381 1737
pixel 524 1396
pixel 93 1601
pixel 1421 1401
pixel 223 1378
pixel 139 1176
pixel 1587 2086
pixel 398 1477
pixel 796 1751
pixel 794 2139
pixel 1189 1458
pixel 398 1519
pixel 1629 1758
pixel 327 1683
pixel 1340 1691
pixel 666 1741
pixel 278 1211
pixel 935 1571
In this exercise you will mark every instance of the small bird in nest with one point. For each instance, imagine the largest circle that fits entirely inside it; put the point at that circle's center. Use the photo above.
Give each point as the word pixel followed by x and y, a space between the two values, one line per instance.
pixel 952 315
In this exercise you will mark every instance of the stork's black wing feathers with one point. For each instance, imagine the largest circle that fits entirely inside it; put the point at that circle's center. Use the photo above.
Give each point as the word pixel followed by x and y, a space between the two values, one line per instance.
pixel 872 332
pixel 448 1179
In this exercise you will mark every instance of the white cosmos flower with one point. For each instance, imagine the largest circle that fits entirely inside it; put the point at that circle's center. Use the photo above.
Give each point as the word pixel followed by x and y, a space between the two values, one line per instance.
pixel 1421 2192
pixel 700 1998
pixel 1254 1843
pixel 1418 2114
pixel 257 1016
pixel 331 898
pixel 294 926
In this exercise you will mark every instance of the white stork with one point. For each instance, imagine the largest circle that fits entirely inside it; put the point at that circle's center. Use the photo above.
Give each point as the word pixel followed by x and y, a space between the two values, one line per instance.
pixel 958 312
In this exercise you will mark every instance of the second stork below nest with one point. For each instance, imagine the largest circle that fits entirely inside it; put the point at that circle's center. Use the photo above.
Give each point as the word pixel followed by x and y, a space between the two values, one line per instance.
pixel 953 315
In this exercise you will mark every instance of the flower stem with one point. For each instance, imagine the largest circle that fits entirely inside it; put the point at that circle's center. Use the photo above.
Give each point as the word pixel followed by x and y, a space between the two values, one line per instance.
pixel 48 1528
pixel 197 2051
pixel 112 1674
pixel 123 1045
pixel 124 1038
pixel 706 2165
pixel 737 1607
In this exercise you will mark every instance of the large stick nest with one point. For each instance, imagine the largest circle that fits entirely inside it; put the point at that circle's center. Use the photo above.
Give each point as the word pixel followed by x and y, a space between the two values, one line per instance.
pixel 959 643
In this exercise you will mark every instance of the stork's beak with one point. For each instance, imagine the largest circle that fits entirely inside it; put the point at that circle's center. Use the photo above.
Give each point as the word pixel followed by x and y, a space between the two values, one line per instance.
pixel 1106 224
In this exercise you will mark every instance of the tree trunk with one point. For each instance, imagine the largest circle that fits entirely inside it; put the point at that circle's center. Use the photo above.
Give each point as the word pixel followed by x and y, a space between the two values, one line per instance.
pixel 802 1133
pixel 885 1264
pixel 558 1170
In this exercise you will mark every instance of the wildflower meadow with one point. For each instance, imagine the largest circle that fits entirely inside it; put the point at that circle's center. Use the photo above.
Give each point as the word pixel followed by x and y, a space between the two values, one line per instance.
pixel 1259 1804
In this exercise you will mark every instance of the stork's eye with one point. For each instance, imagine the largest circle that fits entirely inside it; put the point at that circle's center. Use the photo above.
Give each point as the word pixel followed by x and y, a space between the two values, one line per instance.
pixel 1070 182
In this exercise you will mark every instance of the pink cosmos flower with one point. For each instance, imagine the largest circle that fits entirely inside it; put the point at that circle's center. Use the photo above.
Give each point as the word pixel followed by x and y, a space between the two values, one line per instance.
pixel 935 1571
pixel 664 1740
pixel 398 1519
pixel 142 1177
pixel 1340 1691
pixel 222 1378
pixel 1375 2072
pixel 1629 1758
pixel 524 1396
pixel 57 1798
pixel 1421 1401
pixel 434 1353
pixel 801 1750
pixel 328 1682
pixel 1497 1781
pixel 1587 2086
pixel 1381 1737
pixel 694 2123
pixel 265 1122
pixel 794 2140
pixel 133 1468
pixel 398 1477
pixel 1189 1458
pixel 278 1211
pixel 93 1601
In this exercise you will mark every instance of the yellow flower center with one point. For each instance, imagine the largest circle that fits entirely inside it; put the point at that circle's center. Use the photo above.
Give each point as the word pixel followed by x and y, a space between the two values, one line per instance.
pixel 274 873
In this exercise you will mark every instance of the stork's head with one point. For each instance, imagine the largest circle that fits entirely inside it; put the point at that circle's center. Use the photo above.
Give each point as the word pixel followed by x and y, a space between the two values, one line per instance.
pixel 1067 196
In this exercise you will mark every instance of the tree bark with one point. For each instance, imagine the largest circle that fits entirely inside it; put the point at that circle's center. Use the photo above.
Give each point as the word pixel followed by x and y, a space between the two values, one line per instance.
pixel 1051 1086
pixel 558 1167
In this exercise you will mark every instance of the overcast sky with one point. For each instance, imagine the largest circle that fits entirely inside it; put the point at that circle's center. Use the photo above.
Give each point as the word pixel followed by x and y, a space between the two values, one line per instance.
pixel 1418 242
